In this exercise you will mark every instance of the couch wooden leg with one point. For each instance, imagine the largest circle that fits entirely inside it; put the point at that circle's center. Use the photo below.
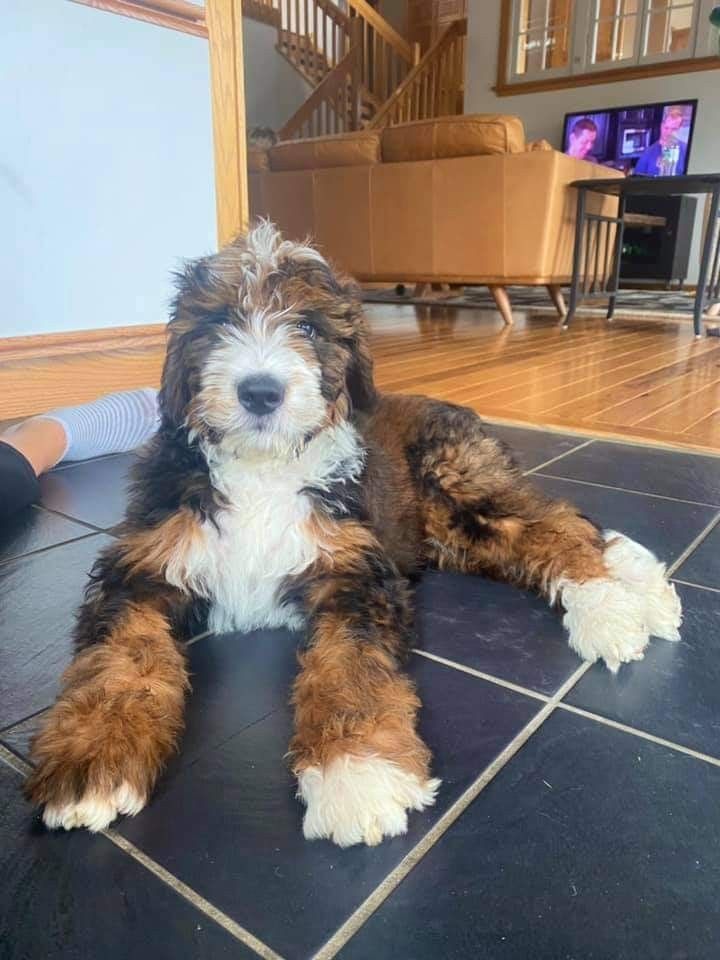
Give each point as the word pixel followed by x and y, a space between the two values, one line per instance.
pixel 502 302
pixel 556 294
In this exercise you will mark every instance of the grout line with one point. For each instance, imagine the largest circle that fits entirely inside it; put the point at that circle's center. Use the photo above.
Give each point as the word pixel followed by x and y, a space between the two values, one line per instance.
pixel 643 734
pixel 633 731
pixel 638 493
pixel 182 889
pixel 67 516
pixel 187 893
pixel 708 528
pixel 483 676
pixel 18 723
pixel 52 546
pixel 697 586
pixel 12 760
pixel 391 881
pixel 560 456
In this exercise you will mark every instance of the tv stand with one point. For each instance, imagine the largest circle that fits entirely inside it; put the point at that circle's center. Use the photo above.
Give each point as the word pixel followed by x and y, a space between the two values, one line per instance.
pixel 656 239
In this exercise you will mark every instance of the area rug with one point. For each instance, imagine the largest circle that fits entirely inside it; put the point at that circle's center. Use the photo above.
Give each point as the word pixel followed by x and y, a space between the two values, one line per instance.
pixel 664 304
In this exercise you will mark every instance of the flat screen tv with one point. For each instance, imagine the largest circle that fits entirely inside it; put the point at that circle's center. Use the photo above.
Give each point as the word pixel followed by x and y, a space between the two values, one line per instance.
pixel 651 140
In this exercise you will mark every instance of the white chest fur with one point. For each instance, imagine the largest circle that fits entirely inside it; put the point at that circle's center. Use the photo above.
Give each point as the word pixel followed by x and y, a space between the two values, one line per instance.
pixel 241 561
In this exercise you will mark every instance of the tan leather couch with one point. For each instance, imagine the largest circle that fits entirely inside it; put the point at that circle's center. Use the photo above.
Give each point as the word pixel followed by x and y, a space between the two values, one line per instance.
pixel 457 200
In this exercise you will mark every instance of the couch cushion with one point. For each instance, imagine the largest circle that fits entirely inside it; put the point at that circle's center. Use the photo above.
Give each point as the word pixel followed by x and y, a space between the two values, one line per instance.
pixel 343 150
pixel 461 136
pixel 257 159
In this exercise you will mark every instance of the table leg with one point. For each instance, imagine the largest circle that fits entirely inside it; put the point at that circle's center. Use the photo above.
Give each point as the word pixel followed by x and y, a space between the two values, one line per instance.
pixel 705 261
pixel 577 256
pixel 617 257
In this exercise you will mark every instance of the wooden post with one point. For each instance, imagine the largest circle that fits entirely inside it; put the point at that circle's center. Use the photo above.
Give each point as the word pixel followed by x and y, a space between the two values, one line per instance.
pixel 224 22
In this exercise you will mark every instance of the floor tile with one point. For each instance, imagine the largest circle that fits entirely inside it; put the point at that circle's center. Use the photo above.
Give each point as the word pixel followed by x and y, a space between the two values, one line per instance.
pixel 36 529
pixel 590 844
pixel 686 476
pixel 19 737
pixel 675 691
pixel 533 447
pixel 228 824
pixel 71 896
pixel 664 526
pixel 494 627
pixel 94 492
pixel 703 564
pixel 38 599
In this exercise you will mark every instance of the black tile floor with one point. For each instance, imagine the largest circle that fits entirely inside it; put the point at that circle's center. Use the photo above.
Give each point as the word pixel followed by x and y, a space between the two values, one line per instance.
pixel 579 815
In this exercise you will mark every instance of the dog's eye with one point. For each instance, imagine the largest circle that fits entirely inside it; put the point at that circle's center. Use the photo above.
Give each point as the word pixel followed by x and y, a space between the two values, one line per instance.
pixel 307 328
pixel 220 318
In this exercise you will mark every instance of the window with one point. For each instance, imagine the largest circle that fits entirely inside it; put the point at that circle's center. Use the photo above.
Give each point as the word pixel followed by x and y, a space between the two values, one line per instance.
pixel 552 39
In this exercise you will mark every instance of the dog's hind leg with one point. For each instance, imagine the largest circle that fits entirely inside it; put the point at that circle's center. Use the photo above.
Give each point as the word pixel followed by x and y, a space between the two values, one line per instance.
pixel 120 710
pixel 482 516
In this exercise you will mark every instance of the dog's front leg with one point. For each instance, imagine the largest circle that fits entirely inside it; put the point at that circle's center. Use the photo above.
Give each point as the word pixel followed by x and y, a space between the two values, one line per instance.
pixel 359 760
pixel 120 710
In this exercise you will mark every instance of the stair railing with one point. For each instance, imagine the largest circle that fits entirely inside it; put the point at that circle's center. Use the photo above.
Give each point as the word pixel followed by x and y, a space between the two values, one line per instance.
pixel 314 35
pixel 334 106
pixel 434 86
pixel 387 57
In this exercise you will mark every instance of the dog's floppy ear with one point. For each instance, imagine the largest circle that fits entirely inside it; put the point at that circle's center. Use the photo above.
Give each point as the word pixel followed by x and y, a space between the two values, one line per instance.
pixel 359 376
pixel 202 299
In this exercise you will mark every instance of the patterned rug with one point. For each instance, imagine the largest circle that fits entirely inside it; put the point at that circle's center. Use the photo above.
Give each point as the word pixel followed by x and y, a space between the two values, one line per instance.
pixel 666 304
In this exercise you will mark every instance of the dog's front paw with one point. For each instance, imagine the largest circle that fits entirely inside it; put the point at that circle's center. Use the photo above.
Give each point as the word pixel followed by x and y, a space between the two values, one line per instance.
pixel 612 618
pixel 82 780
pixel 361 799
pixel 94 810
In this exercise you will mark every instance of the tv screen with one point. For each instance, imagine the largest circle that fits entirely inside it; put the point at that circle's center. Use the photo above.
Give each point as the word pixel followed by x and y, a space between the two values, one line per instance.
pixel 652 140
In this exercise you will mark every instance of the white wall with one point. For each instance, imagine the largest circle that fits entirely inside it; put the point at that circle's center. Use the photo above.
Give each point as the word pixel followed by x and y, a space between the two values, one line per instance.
pixel 543 113
pixel 106 166
pixel 273 89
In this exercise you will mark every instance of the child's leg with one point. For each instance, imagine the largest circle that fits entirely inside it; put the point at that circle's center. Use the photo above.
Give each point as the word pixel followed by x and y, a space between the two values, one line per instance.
pixel 111 424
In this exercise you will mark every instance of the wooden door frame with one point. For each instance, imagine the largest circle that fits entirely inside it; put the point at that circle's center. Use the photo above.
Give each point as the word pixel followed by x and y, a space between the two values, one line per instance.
pixel 225 36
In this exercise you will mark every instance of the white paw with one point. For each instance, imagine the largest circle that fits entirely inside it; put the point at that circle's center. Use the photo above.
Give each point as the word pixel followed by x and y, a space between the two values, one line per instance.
pixel 361 799
pixel 613 618
pixel 640 569
pixel 94 811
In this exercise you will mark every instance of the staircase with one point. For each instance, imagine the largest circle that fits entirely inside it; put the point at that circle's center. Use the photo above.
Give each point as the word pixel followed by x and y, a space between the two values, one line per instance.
pixel 364 73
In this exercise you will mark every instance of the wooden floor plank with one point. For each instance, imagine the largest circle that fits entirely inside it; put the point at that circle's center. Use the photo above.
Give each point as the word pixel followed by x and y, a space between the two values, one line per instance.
pixel 584 379
pixel 685 415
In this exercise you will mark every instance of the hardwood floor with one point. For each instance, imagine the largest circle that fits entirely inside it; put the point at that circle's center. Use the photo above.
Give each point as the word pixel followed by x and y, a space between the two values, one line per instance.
pixel 641 380
pixel 644 380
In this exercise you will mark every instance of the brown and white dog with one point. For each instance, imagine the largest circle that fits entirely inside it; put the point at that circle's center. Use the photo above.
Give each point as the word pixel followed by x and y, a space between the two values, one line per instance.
pixel 282 489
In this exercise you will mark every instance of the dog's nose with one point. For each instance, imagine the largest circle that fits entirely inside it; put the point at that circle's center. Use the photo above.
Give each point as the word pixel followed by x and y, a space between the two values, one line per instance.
pixel 260 394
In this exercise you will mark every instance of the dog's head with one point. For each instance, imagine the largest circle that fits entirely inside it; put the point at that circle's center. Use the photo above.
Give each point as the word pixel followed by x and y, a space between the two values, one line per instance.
pixel 267 348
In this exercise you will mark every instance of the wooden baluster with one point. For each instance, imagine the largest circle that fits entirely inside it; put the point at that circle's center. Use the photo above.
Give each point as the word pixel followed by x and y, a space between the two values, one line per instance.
pixel 431 86
pixel 316 35
pixel 326 45
pixel 444 82
pixel 366 54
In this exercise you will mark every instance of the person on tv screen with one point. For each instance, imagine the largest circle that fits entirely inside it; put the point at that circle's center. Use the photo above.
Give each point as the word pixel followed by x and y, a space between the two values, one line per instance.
pixel 667 155
pixel 583 134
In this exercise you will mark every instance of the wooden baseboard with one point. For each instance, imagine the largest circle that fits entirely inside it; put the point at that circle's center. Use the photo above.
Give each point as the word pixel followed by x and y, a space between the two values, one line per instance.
pixel 44 371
